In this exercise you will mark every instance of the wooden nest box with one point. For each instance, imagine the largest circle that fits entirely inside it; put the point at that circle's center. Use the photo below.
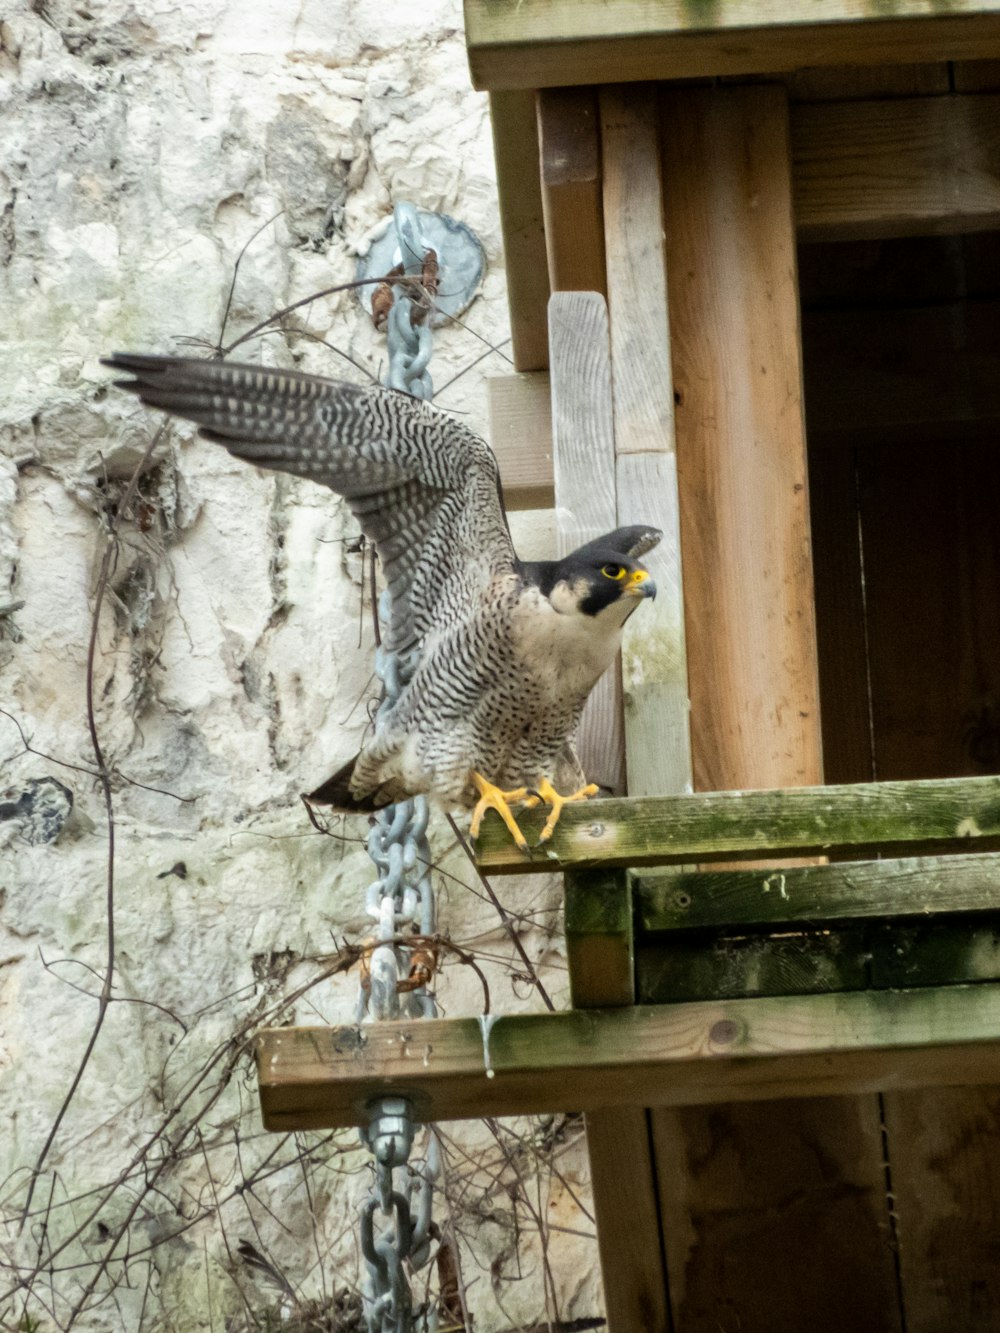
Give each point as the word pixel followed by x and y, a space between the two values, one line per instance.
pixel 754 271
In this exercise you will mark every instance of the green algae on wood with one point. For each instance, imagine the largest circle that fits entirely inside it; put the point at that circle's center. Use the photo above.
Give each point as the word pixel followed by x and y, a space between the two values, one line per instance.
pixel 679 1054
pixel 665 830
pixel 916 886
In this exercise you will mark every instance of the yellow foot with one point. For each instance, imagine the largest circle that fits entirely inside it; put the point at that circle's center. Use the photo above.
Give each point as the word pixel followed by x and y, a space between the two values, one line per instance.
pixel 492 798
pixel 545 791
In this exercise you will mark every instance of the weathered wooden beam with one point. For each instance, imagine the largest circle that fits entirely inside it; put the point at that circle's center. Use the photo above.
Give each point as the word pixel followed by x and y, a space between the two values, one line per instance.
pixel 542 43
pixel 599 945
pixel 846 890
pixel 520 411
pixel 741 459
pixel 515 149
pixel 911 167
pixel 583 451
pixel 787 1046
pixel 669 830
pixel 570 147
pixel 654 660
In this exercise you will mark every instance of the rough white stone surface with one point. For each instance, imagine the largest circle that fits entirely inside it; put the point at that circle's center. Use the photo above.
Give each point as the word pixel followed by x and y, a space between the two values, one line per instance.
pixel 144 144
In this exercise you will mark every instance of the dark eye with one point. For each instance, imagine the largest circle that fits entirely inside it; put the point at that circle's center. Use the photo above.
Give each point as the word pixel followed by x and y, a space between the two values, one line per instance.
pixel 613 571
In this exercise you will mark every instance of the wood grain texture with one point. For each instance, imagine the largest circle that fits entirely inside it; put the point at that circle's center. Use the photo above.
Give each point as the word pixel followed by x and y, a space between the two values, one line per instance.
pixel 570 146
pixel 654 660
pixel 599 938
pixel 853 83
pixel 751 637
pixel 711 1161
pixel 752 661
pixel 953 813
pixel 708 1052
pixel 916 886
pixel 653 668
pixel 896 168
pixel 946 1182
pixel 520 408
pixel 599 949
pixel 632 1261
pixel 515 149
pixel 550 42
pixel 584 482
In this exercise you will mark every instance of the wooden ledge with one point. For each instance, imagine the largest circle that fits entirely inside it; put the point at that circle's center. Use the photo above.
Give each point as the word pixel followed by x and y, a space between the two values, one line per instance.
pixel 546 43
pixel 682 1054
pixel 726 826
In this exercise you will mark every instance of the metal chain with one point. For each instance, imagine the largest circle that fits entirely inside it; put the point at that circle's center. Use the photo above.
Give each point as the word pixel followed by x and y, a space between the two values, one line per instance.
pixel 400 900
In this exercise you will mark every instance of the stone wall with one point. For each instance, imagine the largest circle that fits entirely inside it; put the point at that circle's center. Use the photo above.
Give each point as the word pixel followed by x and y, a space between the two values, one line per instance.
pixel 146 147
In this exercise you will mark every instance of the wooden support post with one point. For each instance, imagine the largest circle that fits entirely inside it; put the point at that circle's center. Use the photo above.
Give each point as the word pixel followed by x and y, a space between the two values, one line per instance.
pixel 571 188
pixel 515 147
pixel 654 682
pixel 654 665
pixel 741 1234
pixel 584 467
pixel 601 965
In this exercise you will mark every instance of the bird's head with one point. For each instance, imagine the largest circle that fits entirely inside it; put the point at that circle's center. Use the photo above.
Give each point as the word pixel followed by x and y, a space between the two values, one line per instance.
pixel 605 578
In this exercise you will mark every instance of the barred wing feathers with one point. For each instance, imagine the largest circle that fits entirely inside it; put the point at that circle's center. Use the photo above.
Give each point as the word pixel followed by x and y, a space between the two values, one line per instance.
pixel 424 488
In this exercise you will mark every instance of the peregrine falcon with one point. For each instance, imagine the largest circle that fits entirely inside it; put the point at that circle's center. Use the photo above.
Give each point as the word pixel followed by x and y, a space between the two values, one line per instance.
pixel 501 653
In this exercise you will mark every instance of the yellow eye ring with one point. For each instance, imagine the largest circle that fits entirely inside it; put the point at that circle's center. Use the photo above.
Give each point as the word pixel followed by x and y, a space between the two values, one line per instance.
pixel 616 572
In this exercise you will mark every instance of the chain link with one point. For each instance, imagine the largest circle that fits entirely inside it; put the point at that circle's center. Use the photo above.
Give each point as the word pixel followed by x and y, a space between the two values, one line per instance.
pixel 399 900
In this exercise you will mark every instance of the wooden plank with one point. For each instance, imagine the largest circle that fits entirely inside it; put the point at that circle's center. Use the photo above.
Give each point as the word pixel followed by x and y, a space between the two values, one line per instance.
pixel 520 408
pixel 720 826
pixel 599 938
pixel 513 44
pixel 848 890
pixel 654 658
pixel 515 149
pixel 853 83
pixel 599 926
pixel 584 477
pixel 570 147
pixel 632 1263
pixel 977 76
pixel 671 1055
pixel 946 1182
pixel 599 948
pixel 731 260
pixel 740 438
pixel 896 168
pixel 653 673
pixel 685 965
pixel 715 1163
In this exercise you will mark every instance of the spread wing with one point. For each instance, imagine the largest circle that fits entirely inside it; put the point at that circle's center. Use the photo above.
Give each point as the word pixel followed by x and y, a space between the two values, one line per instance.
pixel 424 488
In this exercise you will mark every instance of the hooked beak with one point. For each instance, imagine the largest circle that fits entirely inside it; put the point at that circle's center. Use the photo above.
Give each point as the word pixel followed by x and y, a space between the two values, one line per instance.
pixel 640 584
